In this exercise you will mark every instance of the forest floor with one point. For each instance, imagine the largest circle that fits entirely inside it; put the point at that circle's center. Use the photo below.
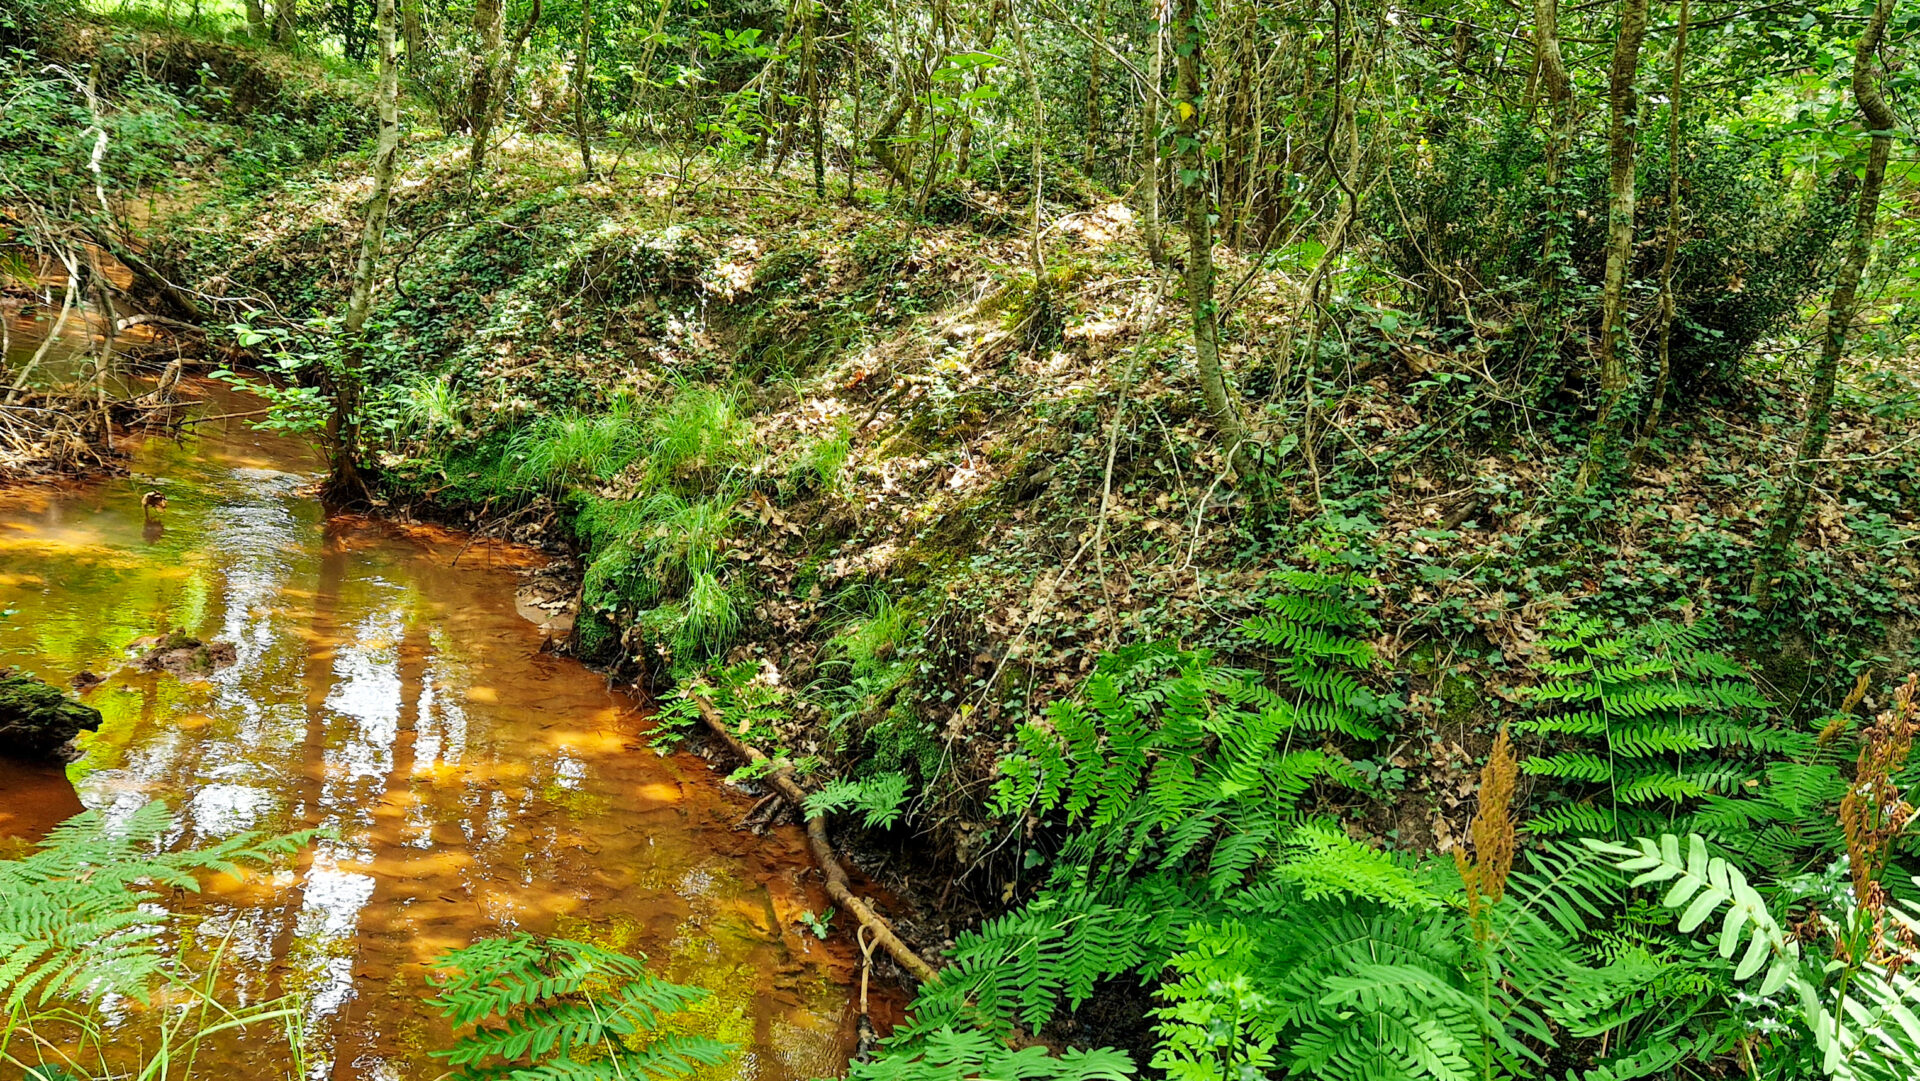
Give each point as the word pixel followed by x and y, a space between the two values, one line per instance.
pixel 933 502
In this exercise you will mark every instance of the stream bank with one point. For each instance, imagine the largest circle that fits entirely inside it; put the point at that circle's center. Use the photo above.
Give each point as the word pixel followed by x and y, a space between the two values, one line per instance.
pixel 471 781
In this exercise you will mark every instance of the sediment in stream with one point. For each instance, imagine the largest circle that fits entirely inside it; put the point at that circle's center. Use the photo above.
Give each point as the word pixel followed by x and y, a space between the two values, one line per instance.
pixel 469 782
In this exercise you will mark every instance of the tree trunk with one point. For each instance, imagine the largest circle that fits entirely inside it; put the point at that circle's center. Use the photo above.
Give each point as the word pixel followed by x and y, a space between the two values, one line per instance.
pixel 880 143
pixel 1551 72
pixel 816 109
pixel 1150 132
pixel 582 85
pixel 499 71
pixel 413 34
pixel 1091 153
pixel 489 24
pixel 1189 103
pixel 257 18
pixel 343 436
pixel 1622 143
pixel 1036 260
pixel 284 15
pixel 1841 309
pixel 1672 253
pixel 859 95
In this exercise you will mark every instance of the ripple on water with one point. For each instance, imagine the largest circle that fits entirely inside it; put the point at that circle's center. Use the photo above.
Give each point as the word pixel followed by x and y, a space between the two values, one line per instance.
pixel 468 783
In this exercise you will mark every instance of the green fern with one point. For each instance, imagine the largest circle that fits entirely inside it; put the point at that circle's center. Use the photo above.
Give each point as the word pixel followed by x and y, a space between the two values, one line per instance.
pixel 949 1054
pixel 559 1010
pixel 1648 727
pixel 1021 966
pixel 1704 883
pixel 1858 1016
pixel 879 799
pixel 79 915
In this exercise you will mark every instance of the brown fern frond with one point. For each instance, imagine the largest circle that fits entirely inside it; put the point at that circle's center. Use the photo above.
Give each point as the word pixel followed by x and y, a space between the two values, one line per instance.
pixel 1492 831
pixel 1845 713
pixel 1873 813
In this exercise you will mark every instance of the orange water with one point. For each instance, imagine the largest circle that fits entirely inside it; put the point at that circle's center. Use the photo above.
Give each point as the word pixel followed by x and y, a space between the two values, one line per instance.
pixel 470 782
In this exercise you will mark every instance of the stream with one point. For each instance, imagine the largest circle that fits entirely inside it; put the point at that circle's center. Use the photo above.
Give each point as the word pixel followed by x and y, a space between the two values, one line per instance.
pixel 469 782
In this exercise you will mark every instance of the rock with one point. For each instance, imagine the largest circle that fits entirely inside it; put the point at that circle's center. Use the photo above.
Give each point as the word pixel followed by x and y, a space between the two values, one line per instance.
pixel 39 721
pixel 86 681
pixel 186 656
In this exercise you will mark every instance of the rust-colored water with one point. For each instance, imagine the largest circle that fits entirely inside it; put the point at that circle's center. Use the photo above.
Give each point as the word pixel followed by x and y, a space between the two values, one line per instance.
pixel 471 783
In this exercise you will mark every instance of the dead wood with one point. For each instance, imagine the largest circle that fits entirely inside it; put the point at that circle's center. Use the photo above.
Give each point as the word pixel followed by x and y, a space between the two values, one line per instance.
pixel 838 886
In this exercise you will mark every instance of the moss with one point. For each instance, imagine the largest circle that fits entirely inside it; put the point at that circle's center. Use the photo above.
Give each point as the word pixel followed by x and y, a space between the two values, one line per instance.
pixel 36 720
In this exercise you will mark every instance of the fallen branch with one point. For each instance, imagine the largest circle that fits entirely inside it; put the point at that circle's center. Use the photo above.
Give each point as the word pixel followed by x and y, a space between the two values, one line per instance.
pixel 838 886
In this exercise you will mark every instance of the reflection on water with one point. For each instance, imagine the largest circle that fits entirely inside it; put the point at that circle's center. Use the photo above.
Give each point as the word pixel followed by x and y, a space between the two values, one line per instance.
pixel 467 782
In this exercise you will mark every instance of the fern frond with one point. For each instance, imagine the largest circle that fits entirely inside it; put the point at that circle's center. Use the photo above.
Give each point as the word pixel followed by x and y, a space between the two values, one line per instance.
pixel 559 1010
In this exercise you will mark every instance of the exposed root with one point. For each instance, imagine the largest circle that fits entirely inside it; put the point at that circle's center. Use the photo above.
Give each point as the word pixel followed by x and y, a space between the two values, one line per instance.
pixel 838 886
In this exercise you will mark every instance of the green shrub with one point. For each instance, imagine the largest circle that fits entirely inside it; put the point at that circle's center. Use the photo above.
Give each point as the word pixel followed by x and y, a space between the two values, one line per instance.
pixel 1469 225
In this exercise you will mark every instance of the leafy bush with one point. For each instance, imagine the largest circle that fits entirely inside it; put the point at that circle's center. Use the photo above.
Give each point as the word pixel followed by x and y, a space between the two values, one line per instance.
pixel 1471 223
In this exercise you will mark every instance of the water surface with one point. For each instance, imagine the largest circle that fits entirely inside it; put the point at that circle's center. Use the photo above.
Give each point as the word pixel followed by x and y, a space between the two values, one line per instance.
pixel 470 782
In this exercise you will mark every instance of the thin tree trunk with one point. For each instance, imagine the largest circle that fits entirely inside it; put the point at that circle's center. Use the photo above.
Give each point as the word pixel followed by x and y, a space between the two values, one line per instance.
pixel 1036 260
pixel 815 106
pixel 1189 103
pixel 1091 153
pixel 1150 130
pixel 1672 253
pixel 1845 304
pixel 880 145
pixel 859 96
pixel 256 18
pixel 500 72
pixel 413 34
pixel 582 86
pixel 1550 71
pixel 490 24
pixel 343 426
pixel 284 16
pixel 1622 143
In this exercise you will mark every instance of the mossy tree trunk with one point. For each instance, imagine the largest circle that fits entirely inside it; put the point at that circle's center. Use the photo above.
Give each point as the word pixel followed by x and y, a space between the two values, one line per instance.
pixel 1664 375
pixel 493 76
pixel 1841 310
pixel 343 427
pixel 489 25
pixel 1623 143
pixel 582 84
pixel 1189 102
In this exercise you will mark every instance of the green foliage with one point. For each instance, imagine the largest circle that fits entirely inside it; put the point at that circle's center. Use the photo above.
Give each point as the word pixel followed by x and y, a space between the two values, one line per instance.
pixel 1163 749
pixel 1857 1016
pixel 878 798
pixel 820 463
pixel 697 435
pixel 960 1055
pixel 82 921
pixel 1648 723
pixel 574 448
pixel 1470 222
pixel 657 560
pixel 79 915
pixel 557 1010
